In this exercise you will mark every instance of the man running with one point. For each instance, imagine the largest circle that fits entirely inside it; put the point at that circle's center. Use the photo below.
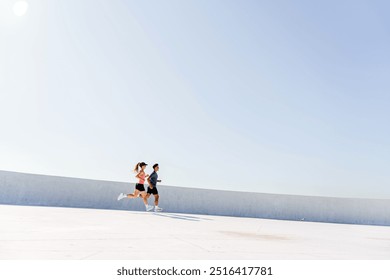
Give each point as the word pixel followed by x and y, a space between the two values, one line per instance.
pixel 152 189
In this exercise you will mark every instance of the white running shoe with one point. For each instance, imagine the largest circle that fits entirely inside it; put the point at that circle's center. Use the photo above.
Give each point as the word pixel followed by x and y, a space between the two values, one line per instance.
pixel 149 207
pixel 121 196
pixel 157 209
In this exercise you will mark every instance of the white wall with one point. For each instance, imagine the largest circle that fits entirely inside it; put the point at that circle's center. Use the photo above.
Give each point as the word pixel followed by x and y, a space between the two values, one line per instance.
pixel 29 189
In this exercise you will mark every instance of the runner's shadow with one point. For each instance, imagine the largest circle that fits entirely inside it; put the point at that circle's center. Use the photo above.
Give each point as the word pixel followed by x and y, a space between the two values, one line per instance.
pixel 181 217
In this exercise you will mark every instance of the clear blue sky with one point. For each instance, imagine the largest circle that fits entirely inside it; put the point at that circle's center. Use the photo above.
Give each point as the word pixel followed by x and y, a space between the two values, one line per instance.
pixel 265 96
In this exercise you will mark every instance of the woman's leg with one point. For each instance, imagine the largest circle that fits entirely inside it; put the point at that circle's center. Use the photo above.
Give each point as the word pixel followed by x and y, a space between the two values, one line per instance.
pixel 134 194
pixel 144 197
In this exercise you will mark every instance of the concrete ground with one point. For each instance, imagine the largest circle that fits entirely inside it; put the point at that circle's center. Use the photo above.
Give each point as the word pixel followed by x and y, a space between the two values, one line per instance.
pixel 70 233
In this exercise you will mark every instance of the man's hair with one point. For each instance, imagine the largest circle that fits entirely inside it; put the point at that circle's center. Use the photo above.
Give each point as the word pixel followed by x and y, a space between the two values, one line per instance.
pixel 155 165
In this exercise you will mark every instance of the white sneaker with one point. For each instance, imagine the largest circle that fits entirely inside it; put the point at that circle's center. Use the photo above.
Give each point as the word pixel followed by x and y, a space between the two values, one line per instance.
pixel 149 207
pixel 121 196
pixel 157 209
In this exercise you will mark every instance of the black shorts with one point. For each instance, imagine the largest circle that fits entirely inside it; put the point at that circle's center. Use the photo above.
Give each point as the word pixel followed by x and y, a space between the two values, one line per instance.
pixel 152 191
pixel 140 187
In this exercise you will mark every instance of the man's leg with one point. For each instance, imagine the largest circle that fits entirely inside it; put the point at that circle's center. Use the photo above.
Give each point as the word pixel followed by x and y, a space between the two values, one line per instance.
pixel 156 197
pixel 156 208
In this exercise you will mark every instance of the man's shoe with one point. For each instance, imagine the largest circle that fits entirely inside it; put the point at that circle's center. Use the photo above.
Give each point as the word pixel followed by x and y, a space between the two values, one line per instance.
pixel 157 209
pixel 149 208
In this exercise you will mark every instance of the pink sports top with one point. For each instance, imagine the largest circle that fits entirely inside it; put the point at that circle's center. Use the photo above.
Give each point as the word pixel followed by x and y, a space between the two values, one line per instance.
pixel 142 178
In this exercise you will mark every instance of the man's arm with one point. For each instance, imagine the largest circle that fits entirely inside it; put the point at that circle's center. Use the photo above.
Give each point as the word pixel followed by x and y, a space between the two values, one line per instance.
pixel 150 183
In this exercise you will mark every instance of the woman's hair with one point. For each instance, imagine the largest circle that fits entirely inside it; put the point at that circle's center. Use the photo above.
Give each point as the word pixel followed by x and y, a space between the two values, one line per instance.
pixel 136 167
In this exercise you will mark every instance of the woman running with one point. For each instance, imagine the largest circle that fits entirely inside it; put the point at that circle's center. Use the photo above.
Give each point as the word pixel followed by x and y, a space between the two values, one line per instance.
pixel 139 187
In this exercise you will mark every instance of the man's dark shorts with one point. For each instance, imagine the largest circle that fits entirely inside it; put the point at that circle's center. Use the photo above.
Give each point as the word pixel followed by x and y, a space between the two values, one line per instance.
pixel 152 191
pixel 140 187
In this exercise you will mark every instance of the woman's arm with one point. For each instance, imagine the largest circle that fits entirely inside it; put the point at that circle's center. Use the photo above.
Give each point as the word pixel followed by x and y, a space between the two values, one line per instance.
pixel 138 175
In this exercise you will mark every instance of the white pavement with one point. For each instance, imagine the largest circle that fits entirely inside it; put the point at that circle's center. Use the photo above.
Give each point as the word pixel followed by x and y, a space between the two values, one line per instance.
pixel 70 233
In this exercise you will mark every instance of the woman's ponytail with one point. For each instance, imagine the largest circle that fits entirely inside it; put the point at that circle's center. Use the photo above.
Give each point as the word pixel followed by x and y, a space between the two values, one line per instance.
pixel 136 167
